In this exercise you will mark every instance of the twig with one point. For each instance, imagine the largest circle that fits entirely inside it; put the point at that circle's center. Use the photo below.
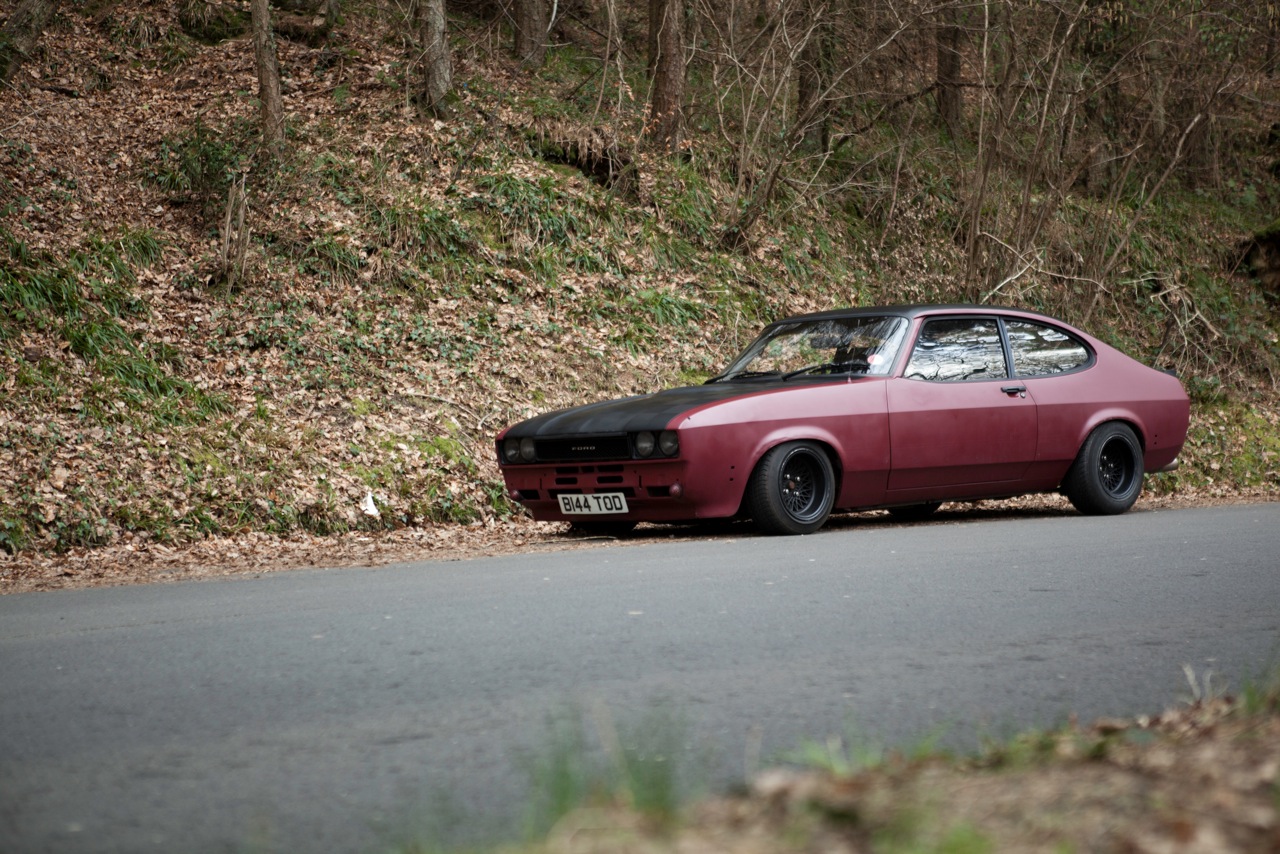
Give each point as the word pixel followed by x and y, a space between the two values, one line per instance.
pixel 1007 280
pixel 843 138
pixel 1032 265
pixel 37 111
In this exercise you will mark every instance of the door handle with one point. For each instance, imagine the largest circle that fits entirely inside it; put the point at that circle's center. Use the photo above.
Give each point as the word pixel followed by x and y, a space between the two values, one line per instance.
pixel 1019 390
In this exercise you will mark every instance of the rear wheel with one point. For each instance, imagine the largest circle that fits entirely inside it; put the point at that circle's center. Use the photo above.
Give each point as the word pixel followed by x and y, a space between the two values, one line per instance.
pixel 792 490
pixel 915 512
pixel 1106 476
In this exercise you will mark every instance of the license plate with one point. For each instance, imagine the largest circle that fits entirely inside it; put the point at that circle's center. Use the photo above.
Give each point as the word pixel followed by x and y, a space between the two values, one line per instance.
pixel 576 504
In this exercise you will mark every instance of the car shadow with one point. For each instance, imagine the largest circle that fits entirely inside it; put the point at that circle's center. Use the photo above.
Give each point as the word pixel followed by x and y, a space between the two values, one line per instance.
pixel 1029 507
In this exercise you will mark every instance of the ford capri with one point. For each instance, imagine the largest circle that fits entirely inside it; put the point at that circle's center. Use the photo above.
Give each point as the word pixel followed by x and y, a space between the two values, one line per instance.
pixel 902 408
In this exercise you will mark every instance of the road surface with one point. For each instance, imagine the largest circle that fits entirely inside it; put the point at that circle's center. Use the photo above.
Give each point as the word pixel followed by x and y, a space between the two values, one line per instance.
pixel 356 709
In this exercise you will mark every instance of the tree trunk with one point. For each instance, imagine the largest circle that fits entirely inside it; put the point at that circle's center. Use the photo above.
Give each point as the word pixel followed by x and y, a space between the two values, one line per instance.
pixel 666 118
pixel 531 32
pixel 435 62
pixel 264 55
pixel 656 8
pixel 813 76
pixel 22 32
pixel 1273 37
pixel 950 106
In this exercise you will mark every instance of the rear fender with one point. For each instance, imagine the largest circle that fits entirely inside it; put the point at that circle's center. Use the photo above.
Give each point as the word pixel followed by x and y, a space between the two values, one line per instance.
pixel 1104 416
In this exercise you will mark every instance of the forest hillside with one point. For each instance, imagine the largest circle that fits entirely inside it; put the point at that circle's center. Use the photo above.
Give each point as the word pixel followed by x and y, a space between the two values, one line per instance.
pixel 232 303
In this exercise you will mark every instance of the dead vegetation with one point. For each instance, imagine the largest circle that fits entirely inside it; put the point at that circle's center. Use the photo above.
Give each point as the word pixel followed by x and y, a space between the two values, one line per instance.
pixel 218 361
pixel 1201 777
pixel 200 338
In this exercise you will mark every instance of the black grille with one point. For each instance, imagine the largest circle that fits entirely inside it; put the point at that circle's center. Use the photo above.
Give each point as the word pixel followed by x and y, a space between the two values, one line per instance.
pixel 583 448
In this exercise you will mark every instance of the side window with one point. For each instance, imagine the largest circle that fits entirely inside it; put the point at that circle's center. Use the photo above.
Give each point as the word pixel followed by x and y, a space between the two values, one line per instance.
pixel 958 350
pixel 1040 350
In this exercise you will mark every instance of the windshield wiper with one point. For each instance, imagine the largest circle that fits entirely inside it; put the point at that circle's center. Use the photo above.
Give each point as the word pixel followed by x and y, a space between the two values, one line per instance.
pixel 743 375
pixel 830 368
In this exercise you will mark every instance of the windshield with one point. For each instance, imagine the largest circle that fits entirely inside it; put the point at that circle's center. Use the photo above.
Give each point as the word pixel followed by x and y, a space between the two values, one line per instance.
pixel 842 345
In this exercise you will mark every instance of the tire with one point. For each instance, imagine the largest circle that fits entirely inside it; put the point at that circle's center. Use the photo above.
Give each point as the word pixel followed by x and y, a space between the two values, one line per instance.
pixel 915 512
pixel 612 528
pixel 792 490
pixel 1106 477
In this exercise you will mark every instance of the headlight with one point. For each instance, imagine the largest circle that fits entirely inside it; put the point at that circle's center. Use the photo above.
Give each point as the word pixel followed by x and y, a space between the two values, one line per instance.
pixel 668 443
pixel 528 452
pixel 510 450
pixel 644 444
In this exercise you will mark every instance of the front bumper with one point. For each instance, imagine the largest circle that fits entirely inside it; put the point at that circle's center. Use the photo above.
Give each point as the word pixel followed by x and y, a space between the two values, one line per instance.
pixel 656 490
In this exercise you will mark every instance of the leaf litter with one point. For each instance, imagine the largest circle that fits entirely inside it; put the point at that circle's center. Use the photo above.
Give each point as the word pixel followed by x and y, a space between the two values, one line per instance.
pixel 337 404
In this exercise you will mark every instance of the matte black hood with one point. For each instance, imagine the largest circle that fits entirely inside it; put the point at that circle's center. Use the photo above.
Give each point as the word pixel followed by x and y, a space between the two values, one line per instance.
pixel 645 412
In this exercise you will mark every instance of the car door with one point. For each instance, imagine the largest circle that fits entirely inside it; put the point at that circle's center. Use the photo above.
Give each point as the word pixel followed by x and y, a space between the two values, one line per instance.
pixel 955 417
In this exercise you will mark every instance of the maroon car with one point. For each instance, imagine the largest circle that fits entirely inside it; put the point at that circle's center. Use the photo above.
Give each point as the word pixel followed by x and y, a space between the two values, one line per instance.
pixel 902 407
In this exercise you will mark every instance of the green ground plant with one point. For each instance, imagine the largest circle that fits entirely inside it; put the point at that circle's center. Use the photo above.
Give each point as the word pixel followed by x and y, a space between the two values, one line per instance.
pixel 390 257
pixel 198 164
pixel 590 758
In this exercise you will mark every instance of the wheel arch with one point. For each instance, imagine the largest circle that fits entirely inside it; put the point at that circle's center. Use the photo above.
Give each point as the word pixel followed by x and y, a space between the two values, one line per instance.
pixel 1129 419
pixel 825 442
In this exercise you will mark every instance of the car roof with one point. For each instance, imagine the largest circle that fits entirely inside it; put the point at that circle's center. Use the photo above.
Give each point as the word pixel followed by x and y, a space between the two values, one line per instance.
pixel 914 310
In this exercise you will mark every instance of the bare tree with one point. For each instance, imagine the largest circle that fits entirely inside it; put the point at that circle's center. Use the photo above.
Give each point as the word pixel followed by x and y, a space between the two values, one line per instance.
pixel 435 62
pixel 264 54
pixel 950 104
pixel 666 105
pixel 1273 38
pixel 777 78
pixel 531 25
pixel 813 77
pixel 656 9
pixel 22 32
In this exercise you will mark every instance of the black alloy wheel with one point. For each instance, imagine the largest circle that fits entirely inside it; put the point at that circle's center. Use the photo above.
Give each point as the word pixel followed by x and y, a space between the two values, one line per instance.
pixel 1106 477
pixel 792 490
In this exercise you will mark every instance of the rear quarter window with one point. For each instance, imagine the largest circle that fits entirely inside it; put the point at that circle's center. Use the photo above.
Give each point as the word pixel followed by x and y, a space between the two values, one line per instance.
pixel 1040 350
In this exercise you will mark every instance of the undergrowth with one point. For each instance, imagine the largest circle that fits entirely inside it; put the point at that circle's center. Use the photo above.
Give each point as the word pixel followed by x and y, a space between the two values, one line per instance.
pixel 593 759
pixel 446 274
pixel 634 783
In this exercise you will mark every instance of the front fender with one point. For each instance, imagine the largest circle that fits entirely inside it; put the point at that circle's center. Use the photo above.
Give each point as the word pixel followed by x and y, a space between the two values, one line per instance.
pixel 724 444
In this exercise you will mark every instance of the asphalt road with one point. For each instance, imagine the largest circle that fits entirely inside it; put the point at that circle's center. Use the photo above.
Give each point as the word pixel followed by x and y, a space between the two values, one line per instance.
pixel 351 710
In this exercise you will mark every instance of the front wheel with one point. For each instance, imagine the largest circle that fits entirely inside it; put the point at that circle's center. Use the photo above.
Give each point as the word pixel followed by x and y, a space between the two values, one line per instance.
pixel 792 490
pixel 1106 476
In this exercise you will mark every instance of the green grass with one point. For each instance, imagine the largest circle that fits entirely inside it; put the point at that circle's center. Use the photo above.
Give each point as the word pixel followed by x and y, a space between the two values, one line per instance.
pixel 590 758
pixel 587 759
pixel 1230 445
pixel 653 315
pixel 911 833
pixel 422 244
pixel 198 164
pixel 86 300
pixel 537 212
pixel 1260 695
pixel 855 751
